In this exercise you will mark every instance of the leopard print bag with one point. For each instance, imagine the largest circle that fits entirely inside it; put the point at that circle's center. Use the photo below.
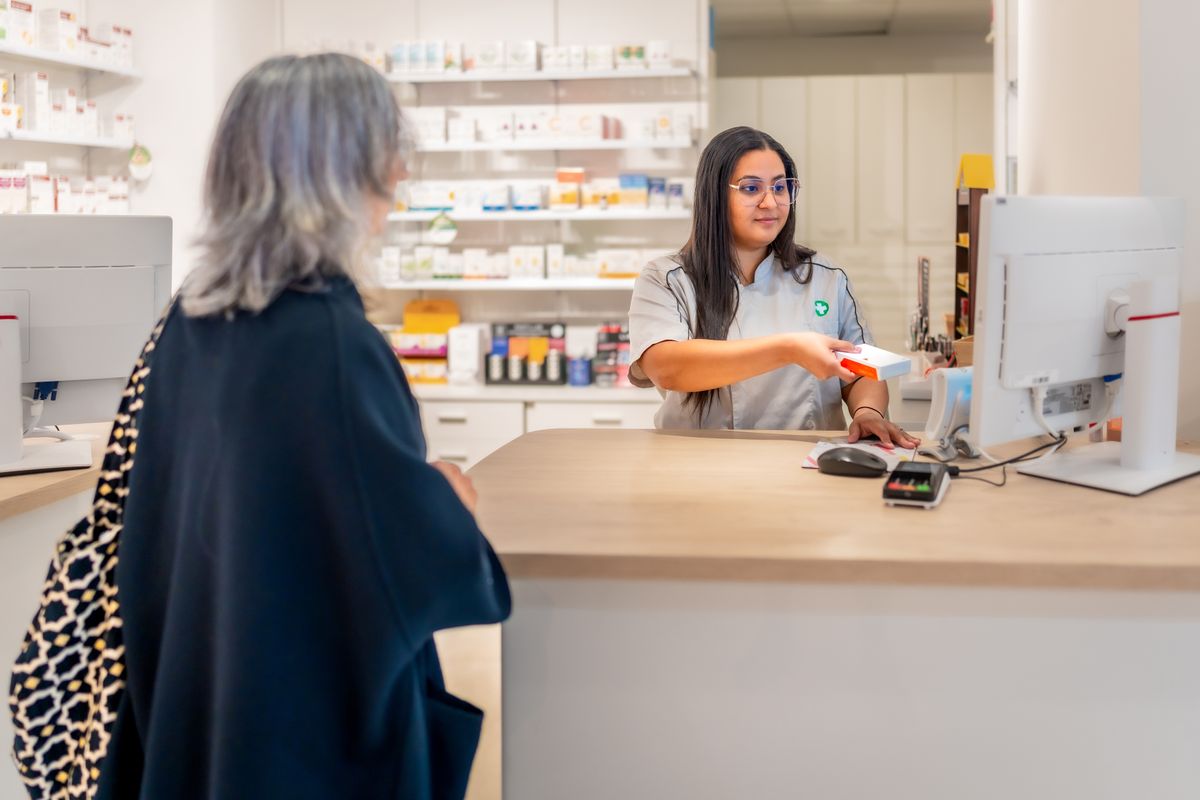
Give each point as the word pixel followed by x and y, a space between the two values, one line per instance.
pixel 69 677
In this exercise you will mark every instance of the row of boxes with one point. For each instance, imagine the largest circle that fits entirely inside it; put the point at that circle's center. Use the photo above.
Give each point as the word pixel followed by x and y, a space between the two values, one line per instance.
pixel 629 191
pixel 439 126
pixel 438 56
pixel 31 190
pixel 519 261
pixel 26 24
pixel 27 102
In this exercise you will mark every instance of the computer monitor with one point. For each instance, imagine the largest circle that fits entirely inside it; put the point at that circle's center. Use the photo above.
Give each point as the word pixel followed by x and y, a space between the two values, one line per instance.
pixel 1077 317
pixel 86 291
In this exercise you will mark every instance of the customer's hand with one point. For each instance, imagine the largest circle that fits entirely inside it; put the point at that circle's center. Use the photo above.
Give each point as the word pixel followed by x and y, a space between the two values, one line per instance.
pixel 814 352
pixel 459 482
pixel 869 422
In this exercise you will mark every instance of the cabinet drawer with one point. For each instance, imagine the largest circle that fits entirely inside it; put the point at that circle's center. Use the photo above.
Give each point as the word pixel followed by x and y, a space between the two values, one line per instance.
pixel 465 432
pixel 542 416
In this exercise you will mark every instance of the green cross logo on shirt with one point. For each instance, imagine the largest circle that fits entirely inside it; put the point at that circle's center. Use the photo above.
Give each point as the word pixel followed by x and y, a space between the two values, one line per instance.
pixel 821 307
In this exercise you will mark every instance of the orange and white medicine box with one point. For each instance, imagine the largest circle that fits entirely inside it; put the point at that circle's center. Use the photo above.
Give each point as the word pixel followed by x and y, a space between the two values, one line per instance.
pixel 874 363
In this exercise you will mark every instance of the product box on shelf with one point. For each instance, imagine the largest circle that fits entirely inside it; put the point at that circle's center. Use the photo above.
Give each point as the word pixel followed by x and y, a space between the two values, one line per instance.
pixel 658 54
pixel 489 56
pixel 14 192
pixel 33 95
pixel 93 49
pixel 527 353
pixel 496 126
pixel 20 26
pixel 521 56
pixel 635 190
pixel 10 117
pixel 454 57
pixel 631 56
pixel 610 368
pixel 460 129
pixel 118 37
pixel 429 123
pixel 467 347
pixel 476 263
pixel 435 56
pixel 497 196
pixel 398 58
pixel 530 125
pixel 58 29
pixel 599 57
pixel 528 195
pixel 576 57
pixel 117 125
pixel 556 58
pixel 41 194
pixel 89 124
pixel 8 85
pixel 554 260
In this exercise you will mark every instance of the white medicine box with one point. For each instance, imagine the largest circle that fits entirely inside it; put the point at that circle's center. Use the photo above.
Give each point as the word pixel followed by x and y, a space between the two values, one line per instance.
pixel 58 29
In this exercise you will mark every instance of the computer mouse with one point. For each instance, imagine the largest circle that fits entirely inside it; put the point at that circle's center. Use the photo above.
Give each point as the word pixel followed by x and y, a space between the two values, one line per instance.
pixel 851 461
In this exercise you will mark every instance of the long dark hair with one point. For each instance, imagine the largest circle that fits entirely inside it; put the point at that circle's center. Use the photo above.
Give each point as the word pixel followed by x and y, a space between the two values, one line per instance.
pixel 709 258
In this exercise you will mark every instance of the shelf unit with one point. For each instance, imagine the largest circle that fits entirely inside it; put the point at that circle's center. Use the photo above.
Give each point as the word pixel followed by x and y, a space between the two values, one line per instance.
pixel 54 58
pixel 550 145
pixel 545 215
pixel 478 76
pixel 515 285
pixel 548 394
pixel 38 137
pixel 966 259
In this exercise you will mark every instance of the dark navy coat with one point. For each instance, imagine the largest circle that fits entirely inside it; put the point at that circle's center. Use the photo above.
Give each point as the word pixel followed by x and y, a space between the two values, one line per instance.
pixel 286 558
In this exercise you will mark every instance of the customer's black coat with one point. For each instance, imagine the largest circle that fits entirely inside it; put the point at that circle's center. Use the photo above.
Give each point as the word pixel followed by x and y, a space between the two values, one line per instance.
pixel 286 558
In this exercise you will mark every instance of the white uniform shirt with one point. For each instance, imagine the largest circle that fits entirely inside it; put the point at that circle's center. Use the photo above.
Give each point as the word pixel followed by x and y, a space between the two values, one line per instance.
pixel 788 398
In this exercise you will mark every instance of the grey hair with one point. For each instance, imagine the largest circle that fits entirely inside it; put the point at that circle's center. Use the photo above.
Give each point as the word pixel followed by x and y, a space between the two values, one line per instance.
pixel 302 145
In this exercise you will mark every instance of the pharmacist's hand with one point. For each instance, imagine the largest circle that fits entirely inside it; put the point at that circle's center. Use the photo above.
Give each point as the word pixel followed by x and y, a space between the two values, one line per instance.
pixel 460 483
pixel 867 422
pixel 814 352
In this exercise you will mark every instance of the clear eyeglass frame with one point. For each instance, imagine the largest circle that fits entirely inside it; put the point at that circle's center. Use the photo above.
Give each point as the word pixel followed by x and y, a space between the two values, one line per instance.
pixel 751 191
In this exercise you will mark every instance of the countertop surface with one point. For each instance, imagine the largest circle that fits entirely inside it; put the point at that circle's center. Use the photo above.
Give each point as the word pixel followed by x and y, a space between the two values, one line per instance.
pixel 23 493
pixel 737 505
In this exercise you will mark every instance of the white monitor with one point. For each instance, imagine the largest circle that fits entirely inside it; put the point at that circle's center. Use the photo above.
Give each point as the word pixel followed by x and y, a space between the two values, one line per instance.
pixel 1077 315
pixel 86 291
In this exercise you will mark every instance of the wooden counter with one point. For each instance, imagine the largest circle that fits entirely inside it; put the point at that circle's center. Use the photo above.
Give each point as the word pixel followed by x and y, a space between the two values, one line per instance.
pixel 736 505
pixel 20 494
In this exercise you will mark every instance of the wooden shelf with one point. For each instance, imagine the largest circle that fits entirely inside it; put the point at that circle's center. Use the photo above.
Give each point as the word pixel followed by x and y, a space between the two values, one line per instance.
pixel 54 58
pixel 481 76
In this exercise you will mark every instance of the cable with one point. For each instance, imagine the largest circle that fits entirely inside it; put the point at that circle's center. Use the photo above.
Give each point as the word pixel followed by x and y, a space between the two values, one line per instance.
pixel 1057 443
pixel 1003 477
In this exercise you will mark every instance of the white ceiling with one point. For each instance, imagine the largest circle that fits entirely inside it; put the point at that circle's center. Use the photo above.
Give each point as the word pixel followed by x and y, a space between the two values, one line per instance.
pixel 741 18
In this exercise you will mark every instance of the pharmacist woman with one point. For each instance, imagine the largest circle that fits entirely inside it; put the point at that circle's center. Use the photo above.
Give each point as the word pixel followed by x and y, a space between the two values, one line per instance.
pixel 739 329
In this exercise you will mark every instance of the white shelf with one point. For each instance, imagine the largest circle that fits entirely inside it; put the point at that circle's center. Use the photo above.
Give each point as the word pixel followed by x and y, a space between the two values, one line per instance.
pixel 534 394
pixel 480 76
pixel 612 214
pixel 550 145
pixel 63 60
pixel 58 138
pixel 514 285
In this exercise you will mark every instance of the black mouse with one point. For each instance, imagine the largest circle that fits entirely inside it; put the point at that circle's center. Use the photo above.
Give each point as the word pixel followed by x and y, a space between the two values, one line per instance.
pixel 851 461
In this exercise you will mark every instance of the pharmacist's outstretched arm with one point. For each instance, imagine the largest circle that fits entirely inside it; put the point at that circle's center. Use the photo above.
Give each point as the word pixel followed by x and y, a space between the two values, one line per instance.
pixel 696 365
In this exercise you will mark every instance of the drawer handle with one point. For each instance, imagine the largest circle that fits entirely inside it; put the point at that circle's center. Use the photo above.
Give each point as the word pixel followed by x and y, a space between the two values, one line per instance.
pixel 456 417
pixel 600 420
pixel 462 457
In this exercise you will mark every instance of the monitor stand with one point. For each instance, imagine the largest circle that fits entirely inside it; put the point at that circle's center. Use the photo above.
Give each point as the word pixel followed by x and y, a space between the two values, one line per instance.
pixel 1099 466
pixel 1146 457
pixel 50 456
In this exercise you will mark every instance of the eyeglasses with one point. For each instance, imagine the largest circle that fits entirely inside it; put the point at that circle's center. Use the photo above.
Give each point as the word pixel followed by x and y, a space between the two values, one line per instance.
pixel 750 191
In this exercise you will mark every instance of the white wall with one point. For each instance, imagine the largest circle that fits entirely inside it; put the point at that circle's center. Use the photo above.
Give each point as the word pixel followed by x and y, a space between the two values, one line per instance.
pixel 1079 96
pixel 852 55
pixel 1170 158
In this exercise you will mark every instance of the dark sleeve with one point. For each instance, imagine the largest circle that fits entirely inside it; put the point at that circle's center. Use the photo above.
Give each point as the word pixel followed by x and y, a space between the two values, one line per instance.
pixel 437 567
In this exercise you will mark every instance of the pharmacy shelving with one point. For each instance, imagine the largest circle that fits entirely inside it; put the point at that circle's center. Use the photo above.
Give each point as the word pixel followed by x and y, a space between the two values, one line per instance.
pixel 606 215
pixel 54 58
pixel 551 145
pixel 514 285
pixel 479 76
pixel 534 394
pixel 56 138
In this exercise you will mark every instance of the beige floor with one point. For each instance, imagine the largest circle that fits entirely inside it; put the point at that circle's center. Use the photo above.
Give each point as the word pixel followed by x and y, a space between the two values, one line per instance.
pixel 471 662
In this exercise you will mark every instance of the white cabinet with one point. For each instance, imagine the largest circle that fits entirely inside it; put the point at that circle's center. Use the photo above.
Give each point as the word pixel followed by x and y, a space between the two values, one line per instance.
pixel 880 136
pixel 784 115
pixel 831 160
pixel 932 156
pixel 463 433
pixel 736 103
pixel 544 416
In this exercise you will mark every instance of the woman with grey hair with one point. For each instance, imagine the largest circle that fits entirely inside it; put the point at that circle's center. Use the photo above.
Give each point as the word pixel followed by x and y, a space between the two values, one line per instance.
pixel 287 553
